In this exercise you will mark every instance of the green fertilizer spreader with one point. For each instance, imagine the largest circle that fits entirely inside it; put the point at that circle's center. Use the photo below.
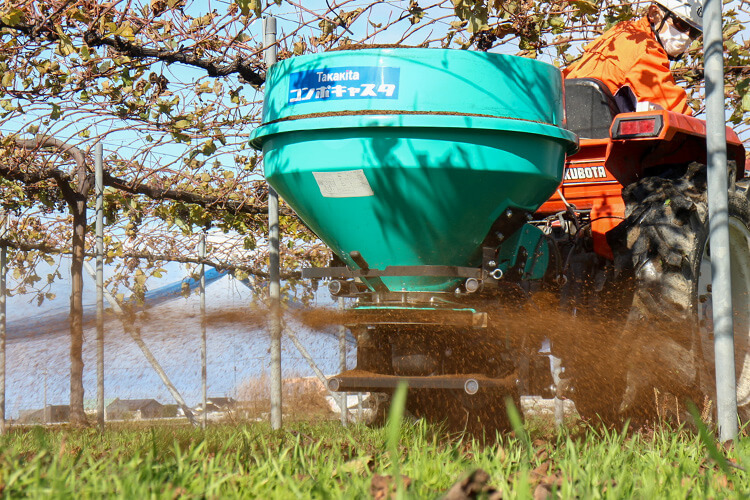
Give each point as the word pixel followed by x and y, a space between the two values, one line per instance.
pixel 406 157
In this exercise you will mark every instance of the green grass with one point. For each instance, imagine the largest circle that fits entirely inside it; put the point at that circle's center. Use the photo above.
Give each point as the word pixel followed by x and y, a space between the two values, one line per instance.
pixel 324 460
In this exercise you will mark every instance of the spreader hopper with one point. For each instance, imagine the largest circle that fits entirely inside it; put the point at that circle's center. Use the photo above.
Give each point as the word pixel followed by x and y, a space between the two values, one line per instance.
pixel 408 156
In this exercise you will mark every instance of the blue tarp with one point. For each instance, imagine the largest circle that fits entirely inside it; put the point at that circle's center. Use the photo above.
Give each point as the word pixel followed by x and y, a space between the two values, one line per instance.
pixel 57 320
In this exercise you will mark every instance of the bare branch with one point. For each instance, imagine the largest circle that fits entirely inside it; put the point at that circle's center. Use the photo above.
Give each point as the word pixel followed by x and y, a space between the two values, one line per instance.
pixel 206 201
pixel 247 70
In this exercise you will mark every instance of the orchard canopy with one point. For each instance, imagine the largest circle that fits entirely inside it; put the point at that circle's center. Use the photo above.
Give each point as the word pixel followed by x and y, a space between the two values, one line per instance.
pixel 172 89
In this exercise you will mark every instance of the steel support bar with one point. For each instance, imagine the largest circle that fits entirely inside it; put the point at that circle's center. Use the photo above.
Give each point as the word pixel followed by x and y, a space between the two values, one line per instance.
pixel 342 364
pixel 360 409
pixel 136 336
pixel 362 381
pixel 556 369
pixel 99 192
pixel 718 210
pixel 204 384
pixel 274 285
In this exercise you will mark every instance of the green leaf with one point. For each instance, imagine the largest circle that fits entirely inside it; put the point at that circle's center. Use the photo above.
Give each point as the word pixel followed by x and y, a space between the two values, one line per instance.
pixel 473 11
pixel 585 6
pixel 8 78
pixel 326 27
pixel 746 102
pixel 12 17
pixel 182 225
pixel 299 48
pixel 732 30
pixel 125 31
pixel 417 13
pixel 64 47
pixel 248 6
pixel 56 112
pixel 140 278
pixel 208 148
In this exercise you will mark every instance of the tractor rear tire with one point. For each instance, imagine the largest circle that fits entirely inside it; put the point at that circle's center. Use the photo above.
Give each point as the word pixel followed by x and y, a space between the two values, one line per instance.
pixel 668 338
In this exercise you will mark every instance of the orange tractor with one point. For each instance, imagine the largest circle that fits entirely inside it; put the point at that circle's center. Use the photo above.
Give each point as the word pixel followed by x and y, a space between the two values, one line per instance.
pixel 484 214
pixel 631 215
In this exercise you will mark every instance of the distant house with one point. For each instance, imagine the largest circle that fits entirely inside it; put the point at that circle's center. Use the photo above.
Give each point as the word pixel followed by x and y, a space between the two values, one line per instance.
pixel 218 404
pixel 90 406
pixel 133 409
pixel 50 414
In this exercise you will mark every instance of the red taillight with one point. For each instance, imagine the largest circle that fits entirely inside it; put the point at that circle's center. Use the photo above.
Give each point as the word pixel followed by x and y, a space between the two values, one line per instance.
pixel 627 126
pixel 642 127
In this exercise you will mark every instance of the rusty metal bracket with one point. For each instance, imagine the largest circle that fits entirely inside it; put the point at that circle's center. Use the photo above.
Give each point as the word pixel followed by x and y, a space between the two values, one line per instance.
pixel 345 272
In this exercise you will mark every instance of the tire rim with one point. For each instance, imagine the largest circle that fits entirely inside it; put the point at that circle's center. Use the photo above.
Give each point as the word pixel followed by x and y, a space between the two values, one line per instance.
pixel 739 249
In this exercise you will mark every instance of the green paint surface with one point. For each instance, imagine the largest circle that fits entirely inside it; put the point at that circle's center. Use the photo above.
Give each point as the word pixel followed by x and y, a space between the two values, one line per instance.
pixel 435 180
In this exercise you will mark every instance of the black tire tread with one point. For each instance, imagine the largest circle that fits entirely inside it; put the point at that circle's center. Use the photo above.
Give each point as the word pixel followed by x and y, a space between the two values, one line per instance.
pixel 666 229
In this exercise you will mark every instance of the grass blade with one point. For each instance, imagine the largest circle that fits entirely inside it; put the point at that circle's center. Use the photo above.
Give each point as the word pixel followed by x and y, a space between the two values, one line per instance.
pixel 707 439
pixel 395 416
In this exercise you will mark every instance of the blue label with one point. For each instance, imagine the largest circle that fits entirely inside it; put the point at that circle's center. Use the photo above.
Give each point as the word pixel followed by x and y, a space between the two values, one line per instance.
pixel 356 82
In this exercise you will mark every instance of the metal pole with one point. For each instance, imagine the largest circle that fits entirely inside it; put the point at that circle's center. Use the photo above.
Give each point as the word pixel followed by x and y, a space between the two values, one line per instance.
pixel 46 417
pixel 718 209
pixel 99 187
pixel 274 286
pixel 3 331
pixel 342 365
pixel 360 409
pixel 204 418
pixel 556 366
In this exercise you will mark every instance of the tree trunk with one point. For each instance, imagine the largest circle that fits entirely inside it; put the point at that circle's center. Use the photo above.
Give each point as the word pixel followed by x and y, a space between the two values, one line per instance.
pixel 76 198
pixel 77 415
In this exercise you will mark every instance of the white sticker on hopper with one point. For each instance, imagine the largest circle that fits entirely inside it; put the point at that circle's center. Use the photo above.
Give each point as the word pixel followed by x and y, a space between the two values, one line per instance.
pixel 347 184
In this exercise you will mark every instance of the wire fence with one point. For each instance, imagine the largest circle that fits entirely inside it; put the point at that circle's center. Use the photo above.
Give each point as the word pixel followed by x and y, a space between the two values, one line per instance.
pixel 237 356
